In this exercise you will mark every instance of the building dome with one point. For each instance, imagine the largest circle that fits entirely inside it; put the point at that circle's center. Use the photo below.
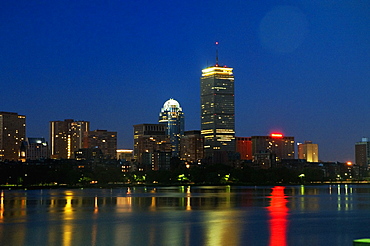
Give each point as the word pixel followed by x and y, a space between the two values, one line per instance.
pixel 171 105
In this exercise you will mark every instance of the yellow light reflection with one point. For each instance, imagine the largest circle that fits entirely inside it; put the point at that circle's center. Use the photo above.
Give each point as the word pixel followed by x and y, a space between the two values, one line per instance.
pixel 153 204
pixel 124 204
pixel 219 226
pixel 68 215
pixel 67 234
pixel 96 207
pixel 94 233
pixel 188 205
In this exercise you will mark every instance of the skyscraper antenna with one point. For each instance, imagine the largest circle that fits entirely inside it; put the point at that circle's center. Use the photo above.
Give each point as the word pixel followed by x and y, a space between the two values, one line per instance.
pixel 216 53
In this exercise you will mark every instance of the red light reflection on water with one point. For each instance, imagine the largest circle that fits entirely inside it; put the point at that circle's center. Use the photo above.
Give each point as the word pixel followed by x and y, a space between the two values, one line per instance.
pixel 278 212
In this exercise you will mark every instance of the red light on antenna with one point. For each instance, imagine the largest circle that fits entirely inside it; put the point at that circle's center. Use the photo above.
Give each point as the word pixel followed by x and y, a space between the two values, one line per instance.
pixel 276 135
pixel 216 42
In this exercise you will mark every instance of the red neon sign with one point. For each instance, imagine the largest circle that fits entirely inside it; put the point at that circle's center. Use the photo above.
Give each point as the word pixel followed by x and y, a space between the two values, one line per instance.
pixel 276 135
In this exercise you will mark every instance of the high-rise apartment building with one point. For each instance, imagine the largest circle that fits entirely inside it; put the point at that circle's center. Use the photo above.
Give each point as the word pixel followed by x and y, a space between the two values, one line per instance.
pixel 191 146
pixel 12 133
pixel 362 153
pixel 172 116
pixel 308 151
pixel 152 147
pixel 104 140
pixel 275 146
pixel 68 136
pixel 217 112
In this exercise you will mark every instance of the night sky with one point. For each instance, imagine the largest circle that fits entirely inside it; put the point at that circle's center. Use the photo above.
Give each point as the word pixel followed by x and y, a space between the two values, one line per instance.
pixel 301 67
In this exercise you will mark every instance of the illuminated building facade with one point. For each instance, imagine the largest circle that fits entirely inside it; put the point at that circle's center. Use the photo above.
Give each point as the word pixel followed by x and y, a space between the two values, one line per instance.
pixel 35 149
pixel 217 112
pixel 308 151
pixel 267 150
pixel 152 147
pixel 104 140
pixel 362 153
pixel 12 133
pixel 192 146
pixel 244 147
pixel 125 154
pixel 68 136
pixel 172 116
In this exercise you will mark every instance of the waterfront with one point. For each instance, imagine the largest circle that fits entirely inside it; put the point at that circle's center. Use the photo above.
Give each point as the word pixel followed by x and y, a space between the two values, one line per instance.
pixel 184 215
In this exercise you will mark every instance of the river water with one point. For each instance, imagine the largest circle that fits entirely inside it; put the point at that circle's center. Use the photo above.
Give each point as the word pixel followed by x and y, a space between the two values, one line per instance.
pixel 184 215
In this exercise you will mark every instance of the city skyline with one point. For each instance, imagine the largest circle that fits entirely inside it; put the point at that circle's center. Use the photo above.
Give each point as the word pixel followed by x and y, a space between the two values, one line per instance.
pixel 302 68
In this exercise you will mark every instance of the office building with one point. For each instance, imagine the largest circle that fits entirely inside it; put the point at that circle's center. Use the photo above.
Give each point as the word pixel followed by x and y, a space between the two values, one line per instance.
pixel 104 140
pixel 362 153
pixel 68 136
pixel 217 113
pixel 244 147
pixel 12 133
pixel 152 147
pixel 272 149
pixel 35 149
pixel 191 146
pixel 125 154
pixel 308 151
pixel 172 116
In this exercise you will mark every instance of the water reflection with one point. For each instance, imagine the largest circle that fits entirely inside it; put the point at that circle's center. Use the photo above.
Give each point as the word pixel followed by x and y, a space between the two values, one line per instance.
pixel 278 212
pixel 2 207
pixel 184 215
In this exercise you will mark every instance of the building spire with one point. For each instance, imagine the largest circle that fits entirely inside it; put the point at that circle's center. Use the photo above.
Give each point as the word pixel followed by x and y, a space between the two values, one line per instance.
pixel 216 54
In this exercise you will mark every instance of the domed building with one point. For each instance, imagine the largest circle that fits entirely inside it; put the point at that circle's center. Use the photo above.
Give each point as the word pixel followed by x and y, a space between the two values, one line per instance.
pixel 171 114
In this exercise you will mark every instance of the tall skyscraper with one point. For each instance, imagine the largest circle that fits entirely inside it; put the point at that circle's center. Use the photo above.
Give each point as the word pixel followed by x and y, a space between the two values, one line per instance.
pixel 217 112
pixel 362 153
pixel 68 136
pixel 172 116
pixel 12 133
pixel 308 151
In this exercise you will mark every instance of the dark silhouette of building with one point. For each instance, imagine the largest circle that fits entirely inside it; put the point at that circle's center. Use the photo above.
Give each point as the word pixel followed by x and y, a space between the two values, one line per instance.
pixel 88 154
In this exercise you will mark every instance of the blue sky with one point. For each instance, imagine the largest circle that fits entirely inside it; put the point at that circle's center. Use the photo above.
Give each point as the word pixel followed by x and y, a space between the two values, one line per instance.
pixel 301 67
